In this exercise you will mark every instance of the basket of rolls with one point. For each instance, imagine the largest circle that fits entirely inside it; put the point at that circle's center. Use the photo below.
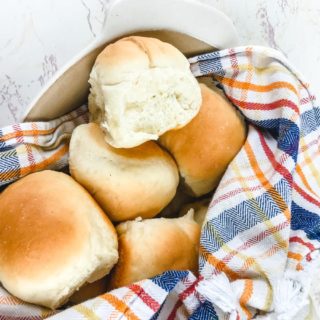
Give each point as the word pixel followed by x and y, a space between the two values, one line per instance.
pixel 170 194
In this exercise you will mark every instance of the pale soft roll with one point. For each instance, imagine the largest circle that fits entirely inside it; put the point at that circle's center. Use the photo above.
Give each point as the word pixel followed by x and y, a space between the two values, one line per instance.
pixel 53 239
pixel 140 88
pixel 127 183
pixel 204 148
pixel 152 246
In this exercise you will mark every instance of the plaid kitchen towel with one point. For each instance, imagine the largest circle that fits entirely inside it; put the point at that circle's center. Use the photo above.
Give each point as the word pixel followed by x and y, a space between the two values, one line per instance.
pixel 34 146
pixel 260 241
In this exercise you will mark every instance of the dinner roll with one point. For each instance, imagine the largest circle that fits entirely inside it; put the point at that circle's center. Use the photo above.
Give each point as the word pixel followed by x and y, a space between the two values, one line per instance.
pixel 140 88
pixel 127 183
pixel 53 239
pixel 198 208
pixel 204 148
pixel 150 247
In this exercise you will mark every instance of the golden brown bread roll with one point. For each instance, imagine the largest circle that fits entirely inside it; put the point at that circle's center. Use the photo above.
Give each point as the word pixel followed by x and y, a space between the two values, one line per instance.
pixel 140 88
pixel 204 147
pixel 149 247
pixel 53 239
pixel 127 183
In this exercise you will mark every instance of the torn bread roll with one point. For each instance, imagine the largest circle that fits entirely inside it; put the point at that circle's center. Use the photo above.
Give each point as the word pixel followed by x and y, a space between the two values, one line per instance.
pixel 140 88
pixel 53 239
pixel 127 183
pixel 149 247
pixel 204 148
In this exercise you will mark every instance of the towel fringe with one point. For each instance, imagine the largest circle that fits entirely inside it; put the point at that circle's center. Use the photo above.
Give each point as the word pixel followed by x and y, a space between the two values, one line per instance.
pixel 292 299
pixel 219 292
pixel 291 294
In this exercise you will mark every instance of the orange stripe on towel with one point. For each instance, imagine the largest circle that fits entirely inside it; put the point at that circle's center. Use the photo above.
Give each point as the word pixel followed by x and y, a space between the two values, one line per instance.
pixel 256 87
pixel 43 164
pixel 119 306
pixel 245 297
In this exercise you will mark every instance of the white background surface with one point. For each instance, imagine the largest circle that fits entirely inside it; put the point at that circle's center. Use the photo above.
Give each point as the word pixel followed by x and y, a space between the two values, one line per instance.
pixel 39 36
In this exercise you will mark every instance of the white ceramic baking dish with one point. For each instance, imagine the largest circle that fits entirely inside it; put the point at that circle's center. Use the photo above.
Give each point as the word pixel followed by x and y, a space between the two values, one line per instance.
pixel 188 24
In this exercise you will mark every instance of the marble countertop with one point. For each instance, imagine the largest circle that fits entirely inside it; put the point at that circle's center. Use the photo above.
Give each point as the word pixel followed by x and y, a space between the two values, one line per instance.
pixel 39 36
